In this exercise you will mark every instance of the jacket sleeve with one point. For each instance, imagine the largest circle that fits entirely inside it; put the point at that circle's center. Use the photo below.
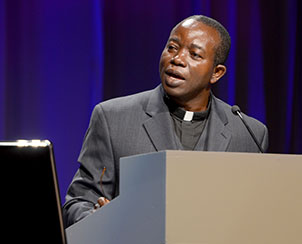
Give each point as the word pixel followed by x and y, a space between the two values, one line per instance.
pixel 96 153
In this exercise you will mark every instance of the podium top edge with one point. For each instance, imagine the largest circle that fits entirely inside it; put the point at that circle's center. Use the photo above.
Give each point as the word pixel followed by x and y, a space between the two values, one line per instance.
pixel 184 152
pixel 231 153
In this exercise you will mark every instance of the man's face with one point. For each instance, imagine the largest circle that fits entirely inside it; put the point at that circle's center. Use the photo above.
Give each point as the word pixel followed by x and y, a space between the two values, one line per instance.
pixel 187 62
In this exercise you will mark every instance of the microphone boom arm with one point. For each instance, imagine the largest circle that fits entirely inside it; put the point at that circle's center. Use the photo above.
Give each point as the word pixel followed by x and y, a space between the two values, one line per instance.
pixel 236 111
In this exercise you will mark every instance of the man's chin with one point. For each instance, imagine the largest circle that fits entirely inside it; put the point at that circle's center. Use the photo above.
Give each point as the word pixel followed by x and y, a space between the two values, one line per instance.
pixel 174 92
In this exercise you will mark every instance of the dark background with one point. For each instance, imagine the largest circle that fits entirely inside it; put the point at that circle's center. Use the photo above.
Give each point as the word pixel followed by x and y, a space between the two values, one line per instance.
pixel 59 58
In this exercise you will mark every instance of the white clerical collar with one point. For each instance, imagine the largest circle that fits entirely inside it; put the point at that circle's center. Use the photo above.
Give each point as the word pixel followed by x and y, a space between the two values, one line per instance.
pixel 188 116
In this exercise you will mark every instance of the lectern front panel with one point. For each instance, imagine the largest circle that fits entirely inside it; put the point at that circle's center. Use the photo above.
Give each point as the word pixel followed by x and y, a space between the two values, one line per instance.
pixel 233 198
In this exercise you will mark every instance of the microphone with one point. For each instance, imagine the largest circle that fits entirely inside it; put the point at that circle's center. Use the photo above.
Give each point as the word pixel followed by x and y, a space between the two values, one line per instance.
pixel 236 111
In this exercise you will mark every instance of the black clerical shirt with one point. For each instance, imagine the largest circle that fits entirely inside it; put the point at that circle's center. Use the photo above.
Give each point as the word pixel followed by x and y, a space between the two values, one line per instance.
pixel 188 125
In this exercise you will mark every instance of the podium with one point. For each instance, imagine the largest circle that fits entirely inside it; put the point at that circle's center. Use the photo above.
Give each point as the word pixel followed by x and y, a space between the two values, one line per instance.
pixel 182 197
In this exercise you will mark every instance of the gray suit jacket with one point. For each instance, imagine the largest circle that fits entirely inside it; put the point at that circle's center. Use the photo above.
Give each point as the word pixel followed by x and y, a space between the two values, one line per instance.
pixel 141 123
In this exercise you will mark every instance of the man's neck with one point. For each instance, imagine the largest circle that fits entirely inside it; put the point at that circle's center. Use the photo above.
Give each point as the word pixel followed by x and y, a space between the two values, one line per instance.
pixel 197 104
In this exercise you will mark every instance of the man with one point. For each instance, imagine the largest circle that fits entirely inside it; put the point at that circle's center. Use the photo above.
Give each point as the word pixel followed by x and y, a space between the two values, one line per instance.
pixel 180 114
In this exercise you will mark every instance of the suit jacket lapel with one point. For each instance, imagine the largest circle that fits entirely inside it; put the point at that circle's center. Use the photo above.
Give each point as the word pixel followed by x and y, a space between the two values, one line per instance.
pixel 219 135
pixel 216 135
pixel 159 125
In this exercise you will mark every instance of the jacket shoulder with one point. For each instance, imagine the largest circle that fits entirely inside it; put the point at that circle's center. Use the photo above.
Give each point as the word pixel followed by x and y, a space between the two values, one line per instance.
pixel 136 101
pixel 232 118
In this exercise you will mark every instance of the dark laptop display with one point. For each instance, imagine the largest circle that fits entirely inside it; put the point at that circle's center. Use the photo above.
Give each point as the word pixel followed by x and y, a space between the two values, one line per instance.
pixel 31 211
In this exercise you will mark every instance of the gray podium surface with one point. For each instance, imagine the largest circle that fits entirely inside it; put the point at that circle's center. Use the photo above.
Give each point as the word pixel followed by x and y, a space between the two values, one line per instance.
pixel 181 197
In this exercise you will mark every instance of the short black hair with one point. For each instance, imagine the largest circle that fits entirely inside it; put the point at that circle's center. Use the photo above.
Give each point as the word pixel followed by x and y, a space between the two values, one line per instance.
pixel 223 49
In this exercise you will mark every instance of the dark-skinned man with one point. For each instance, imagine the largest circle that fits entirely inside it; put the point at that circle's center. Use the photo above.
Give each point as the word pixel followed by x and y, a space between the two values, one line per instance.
pixel 179 114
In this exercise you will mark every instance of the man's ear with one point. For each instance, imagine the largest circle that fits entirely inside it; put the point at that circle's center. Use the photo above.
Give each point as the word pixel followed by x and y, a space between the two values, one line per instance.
pixel 218 72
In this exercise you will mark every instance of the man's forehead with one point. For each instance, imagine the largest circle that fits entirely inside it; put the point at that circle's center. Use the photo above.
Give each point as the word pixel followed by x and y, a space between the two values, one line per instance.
pixel 187 23
pixel 196 30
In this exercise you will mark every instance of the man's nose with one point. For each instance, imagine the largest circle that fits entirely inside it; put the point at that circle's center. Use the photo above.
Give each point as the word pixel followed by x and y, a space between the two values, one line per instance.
pixel 179 59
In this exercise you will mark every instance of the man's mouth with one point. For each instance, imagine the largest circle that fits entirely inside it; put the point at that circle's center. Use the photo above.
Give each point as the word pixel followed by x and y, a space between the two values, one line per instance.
pixel 175 74
pixel 174 78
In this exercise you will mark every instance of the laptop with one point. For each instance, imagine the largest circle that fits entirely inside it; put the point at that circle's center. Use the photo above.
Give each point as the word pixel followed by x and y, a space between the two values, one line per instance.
pixel 31 211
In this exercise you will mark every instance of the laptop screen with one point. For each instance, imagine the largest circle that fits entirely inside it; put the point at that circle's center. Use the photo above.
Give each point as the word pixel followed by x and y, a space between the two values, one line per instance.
pixel 30 194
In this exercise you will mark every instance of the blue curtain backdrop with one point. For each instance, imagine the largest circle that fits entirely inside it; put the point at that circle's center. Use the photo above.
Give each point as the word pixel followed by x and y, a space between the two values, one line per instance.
pixel 60 58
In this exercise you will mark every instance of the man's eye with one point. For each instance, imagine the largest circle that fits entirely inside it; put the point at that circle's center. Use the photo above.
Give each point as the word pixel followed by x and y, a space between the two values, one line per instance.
pixel 171 47
pixel 195 55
